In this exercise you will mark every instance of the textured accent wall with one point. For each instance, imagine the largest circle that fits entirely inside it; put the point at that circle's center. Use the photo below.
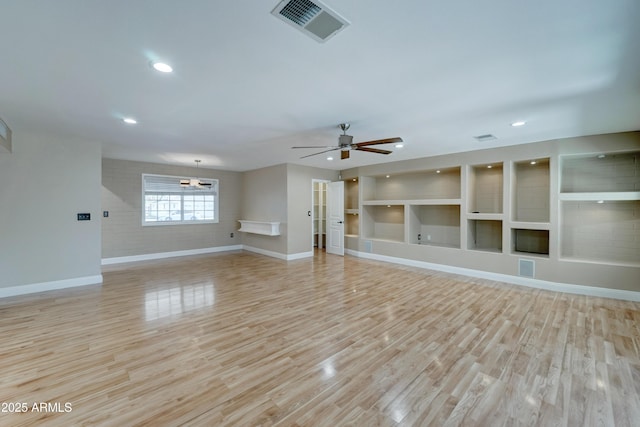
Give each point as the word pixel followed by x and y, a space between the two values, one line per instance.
pixel 123 233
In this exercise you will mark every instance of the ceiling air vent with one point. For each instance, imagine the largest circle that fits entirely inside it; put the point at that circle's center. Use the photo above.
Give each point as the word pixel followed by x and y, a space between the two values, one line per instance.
pixel 5 137
pixel 487 137
pixel 313 18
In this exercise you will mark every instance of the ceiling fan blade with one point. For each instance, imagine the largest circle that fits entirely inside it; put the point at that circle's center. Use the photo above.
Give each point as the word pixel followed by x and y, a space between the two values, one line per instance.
pixel 319 146
pixel 373 150
pixel 325 151
pixel 379 141
pixel 344 154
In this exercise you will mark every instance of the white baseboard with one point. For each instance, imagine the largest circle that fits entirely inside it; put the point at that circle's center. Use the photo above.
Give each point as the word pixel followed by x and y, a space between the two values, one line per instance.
pixel 284 257
pixel 514 280
pixel 299 255
pixel 50 286
pixel 161 255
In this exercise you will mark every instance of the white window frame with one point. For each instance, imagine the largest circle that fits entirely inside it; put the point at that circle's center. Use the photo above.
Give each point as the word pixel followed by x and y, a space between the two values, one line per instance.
pixel 179 194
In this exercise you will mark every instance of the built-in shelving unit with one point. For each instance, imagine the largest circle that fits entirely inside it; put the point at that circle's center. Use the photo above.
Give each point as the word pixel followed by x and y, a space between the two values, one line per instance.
pixel 436 225
pixel 428 197
pixel 527 241
pixel 557 211
pixel 530 210
pixel 351 208
pixel 486 188
pixel 600 208
pixel 383 222
pixel 440 184
pixel 485 235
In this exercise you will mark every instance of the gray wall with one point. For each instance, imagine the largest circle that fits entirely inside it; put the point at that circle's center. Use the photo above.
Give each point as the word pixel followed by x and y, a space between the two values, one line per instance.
pixel 123 233
pixel 299 202
pixel 46 181
pixel 264 198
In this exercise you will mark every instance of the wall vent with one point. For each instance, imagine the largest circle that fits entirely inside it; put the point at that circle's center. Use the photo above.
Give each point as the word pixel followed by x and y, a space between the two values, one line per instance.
pixel 487 137
pixel 526 268
pixel 313 18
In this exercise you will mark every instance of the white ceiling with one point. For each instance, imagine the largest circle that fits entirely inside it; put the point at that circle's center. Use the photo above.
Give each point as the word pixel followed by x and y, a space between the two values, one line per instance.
pixel 247 87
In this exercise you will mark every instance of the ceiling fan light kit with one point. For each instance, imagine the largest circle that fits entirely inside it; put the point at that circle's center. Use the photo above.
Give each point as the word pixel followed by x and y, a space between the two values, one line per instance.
pixel 346 144
pixel 194 182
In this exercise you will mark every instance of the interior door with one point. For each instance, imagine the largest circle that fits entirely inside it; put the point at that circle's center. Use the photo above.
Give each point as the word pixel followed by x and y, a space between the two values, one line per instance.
pixel 335 218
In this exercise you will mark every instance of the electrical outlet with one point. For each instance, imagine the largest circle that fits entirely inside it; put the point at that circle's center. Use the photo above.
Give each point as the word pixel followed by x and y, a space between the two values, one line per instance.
pixel 231 235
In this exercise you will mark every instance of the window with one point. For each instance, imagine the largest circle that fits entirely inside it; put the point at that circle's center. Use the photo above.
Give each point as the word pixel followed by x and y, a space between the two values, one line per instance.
pixel 179 200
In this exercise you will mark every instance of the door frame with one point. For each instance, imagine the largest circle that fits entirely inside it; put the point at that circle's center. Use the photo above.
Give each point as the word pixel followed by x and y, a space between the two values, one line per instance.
pixel 315 181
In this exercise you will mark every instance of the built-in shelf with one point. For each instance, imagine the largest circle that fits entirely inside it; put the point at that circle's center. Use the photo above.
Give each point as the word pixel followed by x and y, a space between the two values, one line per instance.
pixel 442 183
pixel 260 227
pixel 600 208
pixel 485 235
pixel 436 225
pixel 601 232
pixel 486 188
pixel 383 222
pixel 531 190
pixel 601 172
pixel 530 242
pixel 352 208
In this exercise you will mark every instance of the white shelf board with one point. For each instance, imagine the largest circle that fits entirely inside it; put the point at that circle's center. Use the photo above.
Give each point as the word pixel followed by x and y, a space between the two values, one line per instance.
pixel 412 202
pixel 430 202
pixel 352 211
pixel 595 196
pixel 530 225
pixel 486 216
pixel 260 227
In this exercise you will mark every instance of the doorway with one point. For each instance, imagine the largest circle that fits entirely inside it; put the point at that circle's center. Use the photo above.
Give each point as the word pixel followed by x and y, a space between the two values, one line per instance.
pixel 327 216
pixel 319 214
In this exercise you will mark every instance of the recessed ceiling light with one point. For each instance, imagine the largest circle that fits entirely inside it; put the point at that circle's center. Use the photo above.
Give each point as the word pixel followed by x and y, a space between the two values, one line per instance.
pixel 533 162
pixel 601 156
pixel 399 145
pixel 162 67
pixel 130 120
pixel 329 158
pixel 354 179
pixel 516 124
pixel 388 176
pixel 489 167
pixel 388 206
pixel 438 171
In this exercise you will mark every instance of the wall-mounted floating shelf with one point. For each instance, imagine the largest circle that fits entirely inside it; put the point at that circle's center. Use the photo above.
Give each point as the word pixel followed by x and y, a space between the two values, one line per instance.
pixel 260 227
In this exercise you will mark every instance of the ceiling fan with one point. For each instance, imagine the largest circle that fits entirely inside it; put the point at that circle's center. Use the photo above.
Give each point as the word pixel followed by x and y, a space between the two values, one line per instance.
pixel 194 182
pixel 346 144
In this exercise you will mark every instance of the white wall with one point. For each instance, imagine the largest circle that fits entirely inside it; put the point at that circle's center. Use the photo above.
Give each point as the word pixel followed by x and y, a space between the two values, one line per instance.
pixel 44 183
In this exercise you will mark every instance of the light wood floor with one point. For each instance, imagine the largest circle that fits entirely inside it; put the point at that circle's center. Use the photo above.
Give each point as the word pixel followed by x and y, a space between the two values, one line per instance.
pixel 243 339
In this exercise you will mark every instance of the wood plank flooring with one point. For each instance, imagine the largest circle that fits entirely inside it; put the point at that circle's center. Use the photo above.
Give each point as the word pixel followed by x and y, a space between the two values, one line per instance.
pixel 242 339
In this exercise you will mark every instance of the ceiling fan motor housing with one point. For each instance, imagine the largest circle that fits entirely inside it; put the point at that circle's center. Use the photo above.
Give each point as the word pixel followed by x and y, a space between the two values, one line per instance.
pixel 345 140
